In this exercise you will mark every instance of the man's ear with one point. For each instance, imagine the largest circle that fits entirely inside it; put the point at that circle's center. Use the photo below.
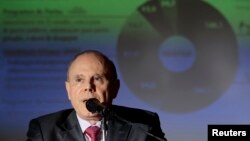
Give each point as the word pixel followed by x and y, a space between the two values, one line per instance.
pixel 67 86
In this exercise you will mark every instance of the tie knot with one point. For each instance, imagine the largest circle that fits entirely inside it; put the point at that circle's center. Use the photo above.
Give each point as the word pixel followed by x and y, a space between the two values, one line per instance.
pixel 93 132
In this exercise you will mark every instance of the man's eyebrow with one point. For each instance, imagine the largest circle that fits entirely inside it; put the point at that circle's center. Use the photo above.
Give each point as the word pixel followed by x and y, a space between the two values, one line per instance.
pixel 78 75
pixel 98 74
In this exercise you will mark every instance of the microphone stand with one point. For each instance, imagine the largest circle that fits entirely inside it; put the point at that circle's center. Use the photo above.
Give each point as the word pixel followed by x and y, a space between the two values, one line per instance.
pixel 93 105
pixel 104 124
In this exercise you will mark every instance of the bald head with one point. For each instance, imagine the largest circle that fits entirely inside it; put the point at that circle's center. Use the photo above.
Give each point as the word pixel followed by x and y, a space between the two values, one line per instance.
pixel 103 59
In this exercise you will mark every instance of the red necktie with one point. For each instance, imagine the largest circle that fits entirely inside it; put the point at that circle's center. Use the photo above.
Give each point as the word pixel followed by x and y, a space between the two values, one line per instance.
pixel 93 132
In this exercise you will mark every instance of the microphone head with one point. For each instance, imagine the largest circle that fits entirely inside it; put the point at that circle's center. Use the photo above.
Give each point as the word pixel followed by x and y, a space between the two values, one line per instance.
pixel 94 106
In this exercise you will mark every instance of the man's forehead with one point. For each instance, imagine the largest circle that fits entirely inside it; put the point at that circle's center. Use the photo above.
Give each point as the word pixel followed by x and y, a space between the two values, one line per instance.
pixel 90 57
pixel 88 61
pixel 83 75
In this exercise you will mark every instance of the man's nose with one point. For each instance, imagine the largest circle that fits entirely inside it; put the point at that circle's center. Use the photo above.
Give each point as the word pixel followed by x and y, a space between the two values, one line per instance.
pixel 89 86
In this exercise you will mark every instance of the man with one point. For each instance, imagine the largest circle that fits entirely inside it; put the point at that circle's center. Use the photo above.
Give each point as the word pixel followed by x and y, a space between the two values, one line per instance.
pixel 92 75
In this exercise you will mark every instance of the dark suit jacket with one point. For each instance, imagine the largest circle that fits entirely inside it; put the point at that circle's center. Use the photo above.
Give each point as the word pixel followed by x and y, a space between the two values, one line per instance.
pixel 64 126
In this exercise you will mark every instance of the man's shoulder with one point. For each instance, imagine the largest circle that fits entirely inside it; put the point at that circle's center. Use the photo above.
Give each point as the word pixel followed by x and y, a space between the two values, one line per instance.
pixel 135 115
pixel 55 116
pixel 119 108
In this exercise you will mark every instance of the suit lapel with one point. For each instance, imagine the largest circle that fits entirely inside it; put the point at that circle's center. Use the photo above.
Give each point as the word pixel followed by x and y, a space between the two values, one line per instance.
pixel 71 129
pixel 118 130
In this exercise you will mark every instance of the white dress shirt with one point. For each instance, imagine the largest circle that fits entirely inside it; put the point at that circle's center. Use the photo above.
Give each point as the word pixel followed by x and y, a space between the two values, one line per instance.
pixel 85 124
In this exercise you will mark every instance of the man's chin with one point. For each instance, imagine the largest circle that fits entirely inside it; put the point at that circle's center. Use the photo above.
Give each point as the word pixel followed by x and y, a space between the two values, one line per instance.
pixel 94 116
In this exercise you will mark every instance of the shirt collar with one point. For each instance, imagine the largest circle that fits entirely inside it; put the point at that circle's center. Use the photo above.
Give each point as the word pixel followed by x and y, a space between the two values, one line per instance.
pixel 84 124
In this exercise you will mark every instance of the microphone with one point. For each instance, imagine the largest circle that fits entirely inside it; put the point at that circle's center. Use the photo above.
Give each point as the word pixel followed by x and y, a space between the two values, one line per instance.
pixel 94 106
